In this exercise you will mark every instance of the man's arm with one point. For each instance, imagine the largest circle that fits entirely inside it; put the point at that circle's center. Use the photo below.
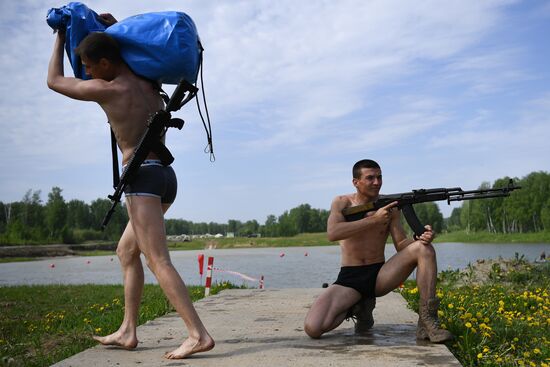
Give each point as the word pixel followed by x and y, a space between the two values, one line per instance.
pixel 85 90
pixel 399 235
pixel 339 229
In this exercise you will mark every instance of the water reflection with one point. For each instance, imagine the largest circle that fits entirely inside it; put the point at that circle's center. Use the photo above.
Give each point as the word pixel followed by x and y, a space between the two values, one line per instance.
pixel 293 267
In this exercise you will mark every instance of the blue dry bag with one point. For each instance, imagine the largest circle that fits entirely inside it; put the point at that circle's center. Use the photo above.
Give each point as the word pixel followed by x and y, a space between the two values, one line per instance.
pixel 162 46
pixel 77 20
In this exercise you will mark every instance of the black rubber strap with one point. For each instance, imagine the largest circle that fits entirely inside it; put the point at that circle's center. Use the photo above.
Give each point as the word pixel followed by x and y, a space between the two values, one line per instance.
pixel 116 173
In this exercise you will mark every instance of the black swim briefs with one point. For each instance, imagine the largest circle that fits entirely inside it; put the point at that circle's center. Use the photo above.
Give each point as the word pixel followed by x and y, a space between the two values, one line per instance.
pixel 154 179
pixel 361 278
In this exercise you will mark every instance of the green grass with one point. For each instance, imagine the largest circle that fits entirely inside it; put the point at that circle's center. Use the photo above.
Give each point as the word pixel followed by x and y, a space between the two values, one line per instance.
pixel 304 239
pixel 503 320
pixel 40 325
pixel 486 237
pixel 16 259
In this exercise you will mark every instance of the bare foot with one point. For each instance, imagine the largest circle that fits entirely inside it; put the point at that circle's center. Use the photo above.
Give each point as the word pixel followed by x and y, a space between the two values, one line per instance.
pixel 118 339
pixel 191 346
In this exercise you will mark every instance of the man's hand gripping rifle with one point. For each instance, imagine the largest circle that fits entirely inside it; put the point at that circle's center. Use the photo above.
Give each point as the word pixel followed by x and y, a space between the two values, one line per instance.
pixel 406 200
pixel 151 141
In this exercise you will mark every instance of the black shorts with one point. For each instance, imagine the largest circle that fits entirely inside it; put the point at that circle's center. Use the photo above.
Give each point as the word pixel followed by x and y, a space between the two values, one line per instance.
pixel 154 179
pixel 361 278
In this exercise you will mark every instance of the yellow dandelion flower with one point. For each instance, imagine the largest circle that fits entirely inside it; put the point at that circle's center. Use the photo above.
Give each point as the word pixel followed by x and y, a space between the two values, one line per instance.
pixel 450 305
pixel 97 329
pixel 479 355
pixel 468 325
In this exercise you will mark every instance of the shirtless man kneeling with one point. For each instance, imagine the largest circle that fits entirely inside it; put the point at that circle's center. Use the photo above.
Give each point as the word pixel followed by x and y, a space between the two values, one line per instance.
pixel 365 274
pixel 129 101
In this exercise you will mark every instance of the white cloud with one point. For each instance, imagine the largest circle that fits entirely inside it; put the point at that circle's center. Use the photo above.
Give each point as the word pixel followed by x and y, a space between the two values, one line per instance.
pixel 296 84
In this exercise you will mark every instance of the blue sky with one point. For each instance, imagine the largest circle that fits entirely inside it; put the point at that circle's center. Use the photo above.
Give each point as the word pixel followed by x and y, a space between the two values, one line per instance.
pixel 440 94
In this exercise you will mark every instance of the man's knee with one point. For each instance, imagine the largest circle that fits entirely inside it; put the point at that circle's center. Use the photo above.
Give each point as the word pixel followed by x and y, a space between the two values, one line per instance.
pixel 312 330
pixel 424 251
pixel 156 263
pixel 127 255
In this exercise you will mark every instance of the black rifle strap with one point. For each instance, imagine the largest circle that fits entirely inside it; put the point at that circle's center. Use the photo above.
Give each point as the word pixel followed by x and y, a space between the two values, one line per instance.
pixel 116 173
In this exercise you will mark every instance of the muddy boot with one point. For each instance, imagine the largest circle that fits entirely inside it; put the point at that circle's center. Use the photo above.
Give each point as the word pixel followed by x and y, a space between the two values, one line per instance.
pixel 362 313
pixel 428 323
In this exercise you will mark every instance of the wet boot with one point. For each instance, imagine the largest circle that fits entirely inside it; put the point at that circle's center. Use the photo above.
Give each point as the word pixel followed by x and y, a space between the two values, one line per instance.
pixel 362 313
pixel 428 323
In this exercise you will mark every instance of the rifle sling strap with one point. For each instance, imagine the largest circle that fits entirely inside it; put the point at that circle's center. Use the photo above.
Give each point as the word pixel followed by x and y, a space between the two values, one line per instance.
pixel 116 173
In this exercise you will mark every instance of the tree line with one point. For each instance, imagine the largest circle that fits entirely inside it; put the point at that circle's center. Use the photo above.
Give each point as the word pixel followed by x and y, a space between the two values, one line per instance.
pixel 32 221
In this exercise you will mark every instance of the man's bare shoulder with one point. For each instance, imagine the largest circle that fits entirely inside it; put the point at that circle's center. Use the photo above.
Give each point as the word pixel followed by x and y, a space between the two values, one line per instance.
pixel 343 201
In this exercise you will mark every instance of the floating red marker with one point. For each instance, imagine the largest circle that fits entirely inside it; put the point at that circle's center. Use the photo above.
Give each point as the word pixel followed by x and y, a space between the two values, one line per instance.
pixel 52 266
pixel 282 254
pixel 306 254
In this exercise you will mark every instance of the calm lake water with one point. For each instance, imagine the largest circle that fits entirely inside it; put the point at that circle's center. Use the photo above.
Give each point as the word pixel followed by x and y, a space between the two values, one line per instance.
pixel 293 267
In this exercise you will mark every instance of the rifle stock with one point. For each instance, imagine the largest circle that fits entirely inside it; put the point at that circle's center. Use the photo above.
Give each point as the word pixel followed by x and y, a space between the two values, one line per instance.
pixel 406 200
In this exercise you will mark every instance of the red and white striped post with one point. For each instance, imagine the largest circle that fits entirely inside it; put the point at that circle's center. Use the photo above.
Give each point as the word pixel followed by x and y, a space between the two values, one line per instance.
pixel 262 282
pixel 208 276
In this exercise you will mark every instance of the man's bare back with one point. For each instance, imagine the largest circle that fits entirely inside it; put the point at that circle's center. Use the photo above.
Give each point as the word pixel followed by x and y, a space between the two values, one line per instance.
pixel 126 99
pixel 134 101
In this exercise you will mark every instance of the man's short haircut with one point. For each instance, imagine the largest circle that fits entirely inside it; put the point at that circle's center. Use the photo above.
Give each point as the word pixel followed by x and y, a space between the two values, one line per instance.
pixel 98 45
pixel 364 163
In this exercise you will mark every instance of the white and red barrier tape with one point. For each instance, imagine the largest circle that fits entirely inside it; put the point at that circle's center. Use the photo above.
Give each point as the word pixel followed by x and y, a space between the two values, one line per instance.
pixel 208 276
pixel 211 267
pixel 241 275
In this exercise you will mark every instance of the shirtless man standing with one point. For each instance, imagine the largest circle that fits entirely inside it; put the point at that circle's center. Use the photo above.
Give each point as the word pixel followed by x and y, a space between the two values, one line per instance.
pixel 128 101
pixel 365 274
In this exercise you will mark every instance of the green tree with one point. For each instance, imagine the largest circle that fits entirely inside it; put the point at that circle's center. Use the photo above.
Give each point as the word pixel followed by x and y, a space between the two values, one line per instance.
pixel 545 215
pixel 250 227
pixel 234 226
pixel 32 214
pixel 287 227
pixel 56 213
pixel 3 218
pixel 453 222
pixel 78 214
pixel 178 226
pixel 117 224
pixel 271 227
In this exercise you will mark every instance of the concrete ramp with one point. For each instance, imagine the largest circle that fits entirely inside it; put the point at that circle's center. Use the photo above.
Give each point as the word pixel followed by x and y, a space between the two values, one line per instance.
pixel 265 328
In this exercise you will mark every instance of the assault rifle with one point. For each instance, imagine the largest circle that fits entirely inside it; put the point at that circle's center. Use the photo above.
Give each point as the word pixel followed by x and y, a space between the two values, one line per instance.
pixel 406 200
pixel 151 141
